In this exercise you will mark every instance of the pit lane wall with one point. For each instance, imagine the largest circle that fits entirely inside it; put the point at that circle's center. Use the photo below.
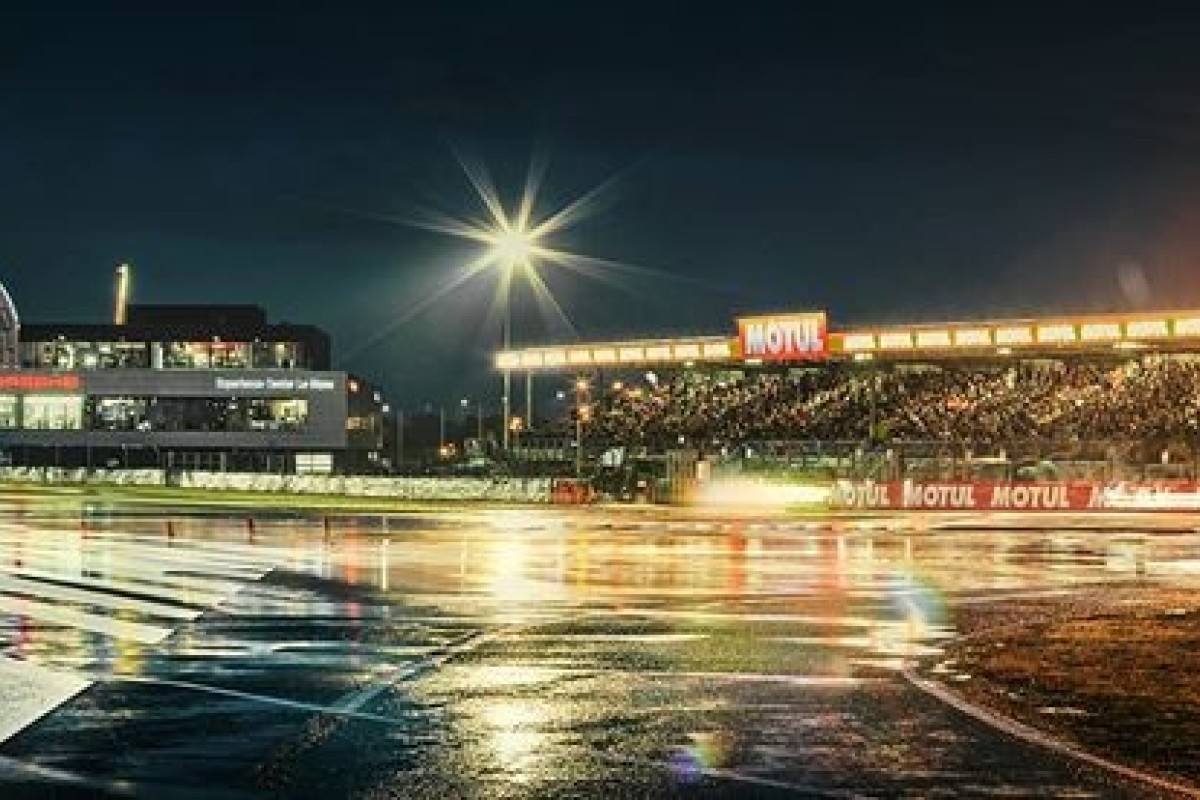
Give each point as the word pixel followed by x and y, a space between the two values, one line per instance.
pixel 510 490
pixel 976 496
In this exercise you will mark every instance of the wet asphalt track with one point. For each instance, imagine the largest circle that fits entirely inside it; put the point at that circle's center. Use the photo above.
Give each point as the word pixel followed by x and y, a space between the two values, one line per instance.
pixel 518 654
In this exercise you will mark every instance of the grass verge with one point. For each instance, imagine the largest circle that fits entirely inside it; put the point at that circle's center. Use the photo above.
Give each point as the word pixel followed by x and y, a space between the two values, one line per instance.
pixel 1116 672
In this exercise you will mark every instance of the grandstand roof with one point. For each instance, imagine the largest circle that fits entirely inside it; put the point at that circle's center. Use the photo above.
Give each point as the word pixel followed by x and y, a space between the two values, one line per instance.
pixel 805 337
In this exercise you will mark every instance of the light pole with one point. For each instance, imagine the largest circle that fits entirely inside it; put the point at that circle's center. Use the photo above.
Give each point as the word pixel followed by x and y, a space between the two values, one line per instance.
pixel 465 403
pixel 505 345
pixel 529 399
pixel 582 412
pixel 399 439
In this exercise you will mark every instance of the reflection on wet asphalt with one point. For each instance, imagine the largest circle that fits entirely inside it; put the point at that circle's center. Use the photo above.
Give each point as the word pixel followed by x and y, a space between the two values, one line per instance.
pixel 515 654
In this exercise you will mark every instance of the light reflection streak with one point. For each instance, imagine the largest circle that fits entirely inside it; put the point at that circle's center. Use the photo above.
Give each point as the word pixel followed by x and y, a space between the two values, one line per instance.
pixel 516 735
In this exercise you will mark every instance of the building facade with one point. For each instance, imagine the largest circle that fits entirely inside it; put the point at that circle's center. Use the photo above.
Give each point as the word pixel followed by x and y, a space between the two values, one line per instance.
pixel 177 337
pixel 188 388
pixel 10 325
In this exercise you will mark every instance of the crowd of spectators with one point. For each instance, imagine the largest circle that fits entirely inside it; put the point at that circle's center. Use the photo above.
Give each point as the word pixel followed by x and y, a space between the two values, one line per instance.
pixel 1147 399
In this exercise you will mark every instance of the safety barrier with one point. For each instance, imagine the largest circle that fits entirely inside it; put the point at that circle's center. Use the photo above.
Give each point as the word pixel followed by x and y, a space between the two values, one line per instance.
pixel 499 489
pixel 570 491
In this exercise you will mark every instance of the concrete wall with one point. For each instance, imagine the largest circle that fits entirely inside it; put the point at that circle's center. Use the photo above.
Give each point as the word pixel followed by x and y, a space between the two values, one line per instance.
pixel 522 490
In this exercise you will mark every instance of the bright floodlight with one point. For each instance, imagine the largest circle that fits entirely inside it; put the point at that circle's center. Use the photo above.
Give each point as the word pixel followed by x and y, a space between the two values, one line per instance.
pixel 511 247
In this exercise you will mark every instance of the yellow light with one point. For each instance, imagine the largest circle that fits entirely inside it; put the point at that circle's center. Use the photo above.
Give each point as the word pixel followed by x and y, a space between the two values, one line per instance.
pixel 581 385
pixel 897 340
pixel 859 341
pixel 1093 331
pixel 508 360
pixel 1056 333
pixel 532 359
pixel 1148 328
pixel 630 354
pixel 1187 327
pixel 973 337
pixel 513 246
pixel 716 350
pixel 935 338
pixel 1021 335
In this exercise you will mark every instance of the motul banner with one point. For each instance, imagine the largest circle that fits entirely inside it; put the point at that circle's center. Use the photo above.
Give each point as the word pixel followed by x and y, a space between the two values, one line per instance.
pixel 784 337
pixel 1073 496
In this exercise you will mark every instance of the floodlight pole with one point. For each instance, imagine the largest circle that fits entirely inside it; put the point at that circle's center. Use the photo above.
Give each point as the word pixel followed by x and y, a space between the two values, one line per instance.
pixel 529 399
pixel 505 343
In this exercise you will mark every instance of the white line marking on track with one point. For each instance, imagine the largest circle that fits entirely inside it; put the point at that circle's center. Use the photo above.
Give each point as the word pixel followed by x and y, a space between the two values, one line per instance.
pixel 50 591
pixel 28 692
pixel 1033 736
pixel 71 618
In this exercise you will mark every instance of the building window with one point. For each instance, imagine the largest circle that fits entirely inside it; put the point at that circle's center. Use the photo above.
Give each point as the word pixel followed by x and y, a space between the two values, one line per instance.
pixel 278 355
pixel 187 355
pixel 269 414
pixel 8 411
pixel 230 355
pixel 314 463
pixel 61 354
pixel 117 414
pixel 52 412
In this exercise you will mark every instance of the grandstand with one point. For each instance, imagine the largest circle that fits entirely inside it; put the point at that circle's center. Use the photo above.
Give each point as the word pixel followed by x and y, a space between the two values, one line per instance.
pixel 1093 397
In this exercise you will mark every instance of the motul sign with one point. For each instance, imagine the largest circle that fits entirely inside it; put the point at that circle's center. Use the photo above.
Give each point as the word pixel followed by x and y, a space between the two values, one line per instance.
pixel 787 337
pixel 1070 496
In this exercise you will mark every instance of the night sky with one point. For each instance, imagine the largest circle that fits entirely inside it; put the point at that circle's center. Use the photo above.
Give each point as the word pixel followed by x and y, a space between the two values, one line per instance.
pixel 927 162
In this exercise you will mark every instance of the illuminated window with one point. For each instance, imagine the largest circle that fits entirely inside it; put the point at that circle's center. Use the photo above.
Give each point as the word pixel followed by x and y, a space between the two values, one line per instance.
pixel 1187 327
pixel 630 354
pixel 858 341
pixel 8 411
pixel 933 338
pixel 508 360
pixel 533 359
pixel 1056 333
pixel 973 337
pixel 1146 328
pixel 276 414
pixel 231 355
pixel 52 412
pixel 1021 335
pixel 895 340
pixel 1099 331
pixel 117 413
pixel 716 350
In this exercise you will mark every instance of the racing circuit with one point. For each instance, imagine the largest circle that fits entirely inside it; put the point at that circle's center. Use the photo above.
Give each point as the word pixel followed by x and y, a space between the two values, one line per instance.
pixel 550 652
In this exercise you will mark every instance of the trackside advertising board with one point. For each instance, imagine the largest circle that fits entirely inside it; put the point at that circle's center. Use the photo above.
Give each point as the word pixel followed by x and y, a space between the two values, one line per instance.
pixel 1074 496
pixel 784 337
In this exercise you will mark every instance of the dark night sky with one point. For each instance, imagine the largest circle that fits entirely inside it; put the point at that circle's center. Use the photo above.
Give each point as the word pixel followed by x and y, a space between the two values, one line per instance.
pixel 921 163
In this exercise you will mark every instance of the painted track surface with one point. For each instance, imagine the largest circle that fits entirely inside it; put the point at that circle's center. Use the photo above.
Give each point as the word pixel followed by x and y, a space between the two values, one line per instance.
pixel 520 654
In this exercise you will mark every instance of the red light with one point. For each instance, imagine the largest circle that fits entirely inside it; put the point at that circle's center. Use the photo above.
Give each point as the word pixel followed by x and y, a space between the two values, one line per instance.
pixel 40 383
